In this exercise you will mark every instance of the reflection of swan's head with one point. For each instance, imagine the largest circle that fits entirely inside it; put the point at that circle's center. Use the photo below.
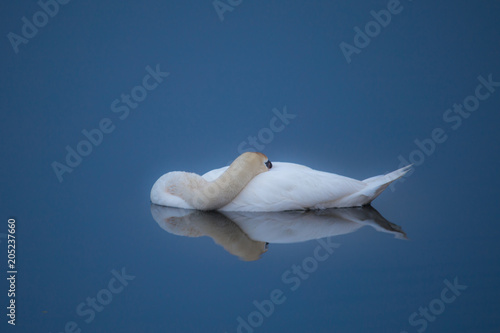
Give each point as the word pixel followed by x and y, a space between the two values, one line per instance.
pixel 222 230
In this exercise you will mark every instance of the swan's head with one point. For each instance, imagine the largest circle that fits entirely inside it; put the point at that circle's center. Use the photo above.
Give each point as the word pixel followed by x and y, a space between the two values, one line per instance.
pixel 254 161
pixel 264 158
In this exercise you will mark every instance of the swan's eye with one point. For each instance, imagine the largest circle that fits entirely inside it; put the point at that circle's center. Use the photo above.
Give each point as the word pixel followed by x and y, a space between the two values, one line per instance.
pixel 269 165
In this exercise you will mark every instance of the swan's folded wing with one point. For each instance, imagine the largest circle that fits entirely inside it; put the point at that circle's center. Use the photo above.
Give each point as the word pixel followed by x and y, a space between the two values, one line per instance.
pixel 290 186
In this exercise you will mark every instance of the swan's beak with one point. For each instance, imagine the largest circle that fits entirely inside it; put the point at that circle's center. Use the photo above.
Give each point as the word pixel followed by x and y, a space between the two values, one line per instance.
pixel 269 165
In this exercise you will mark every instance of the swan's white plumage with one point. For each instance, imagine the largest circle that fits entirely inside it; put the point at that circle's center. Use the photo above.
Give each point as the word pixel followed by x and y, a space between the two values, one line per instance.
pixel 160 196
pixel 289 186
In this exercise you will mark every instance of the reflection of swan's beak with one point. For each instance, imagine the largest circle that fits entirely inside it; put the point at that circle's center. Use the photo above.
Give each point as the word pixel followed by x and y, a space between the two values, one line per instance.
pixel 269 165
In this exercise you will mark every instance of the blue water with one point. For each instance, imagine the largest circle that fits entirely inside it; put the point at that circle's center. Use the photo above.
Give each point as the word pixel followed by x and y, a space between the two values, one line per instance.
pixel 102 98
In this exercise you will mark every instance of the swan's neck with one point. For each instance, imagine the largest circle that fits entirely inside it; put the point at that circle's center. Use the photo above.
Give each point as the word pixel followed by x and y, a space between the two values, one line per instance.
pixel 216 194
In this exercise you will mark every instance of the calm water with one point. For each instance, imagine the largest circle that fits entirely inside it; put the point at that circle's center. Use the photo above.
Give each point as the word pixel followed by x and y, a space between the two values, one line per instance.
pixel 103 98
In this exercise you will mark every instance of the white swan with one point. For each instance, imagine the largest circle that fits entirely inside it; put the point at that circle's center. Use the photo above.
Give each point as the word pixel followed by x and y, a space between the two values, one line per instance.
pixel 249 184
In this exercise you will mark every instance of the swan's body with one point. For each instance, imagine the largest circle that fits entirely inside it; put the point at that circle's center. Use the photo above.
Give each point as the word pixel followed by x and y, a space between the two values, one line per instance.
pixel 286 186
pixel 291 186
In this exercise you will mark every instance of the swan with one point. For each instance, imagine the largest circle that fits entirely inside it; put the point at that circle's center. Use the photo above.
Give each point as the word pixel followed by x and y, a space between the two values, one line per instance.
pixel 253 183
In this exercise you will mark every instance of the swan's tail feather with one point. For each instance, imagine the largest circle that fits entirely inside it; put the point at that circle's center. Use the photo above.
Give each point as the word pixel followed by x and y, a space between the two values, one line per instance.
pixel 388 178
pixel 378 184
pixel 375 186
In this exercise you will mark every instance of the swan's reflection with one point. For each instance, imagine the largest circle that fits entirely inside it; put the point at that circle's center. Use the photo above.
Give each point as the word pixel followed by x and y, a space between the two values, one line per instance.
pixel 246 234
